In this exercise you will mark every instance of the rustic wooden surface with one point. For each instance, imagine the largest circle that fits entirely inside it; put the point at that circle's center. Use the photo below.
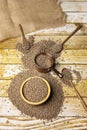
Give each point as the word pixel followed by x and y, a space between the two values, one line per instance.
pixel 74 57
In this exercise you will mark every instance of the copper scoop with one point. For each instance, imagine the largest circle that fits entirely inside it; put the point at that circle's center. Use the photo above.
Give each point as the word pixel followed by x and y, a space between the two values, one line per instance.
pixel 42 69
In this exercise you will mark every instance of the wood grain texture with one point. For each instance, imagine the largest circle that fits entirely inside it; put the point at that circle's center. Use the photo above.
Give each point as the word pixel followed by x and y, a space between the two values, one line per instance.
pixel 67 56
pixel 64 30
pixel 68 91
pixel 71 107
pixel 76 17
pixel 26 123
pixel 8 71
pixel 60 31
pixel 74 6
pixel 74 1
pixel 76 42
pixel 73 56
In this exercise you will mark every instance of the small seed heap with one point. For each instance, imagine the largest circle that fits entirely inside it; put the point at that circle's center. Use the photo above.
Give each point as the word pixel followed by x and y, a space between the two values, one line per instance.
pixel 43 46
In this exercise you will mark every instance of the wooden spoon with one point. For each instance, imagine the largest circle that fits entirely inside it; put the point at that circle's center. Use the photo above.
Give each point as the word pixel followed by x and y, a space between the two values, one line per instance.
pixel 25 44
pixel 62 44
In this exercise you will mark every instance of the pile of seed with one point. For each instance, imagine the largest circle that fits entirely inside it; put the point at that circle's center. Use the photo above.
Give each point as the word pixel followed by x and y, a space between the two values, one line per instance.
pixel 43 61
pixel 51 108
pixel 35 90
pixel 48 110
pixel 28 44
pixel 43 46
pixel 78 75
pixel 67 76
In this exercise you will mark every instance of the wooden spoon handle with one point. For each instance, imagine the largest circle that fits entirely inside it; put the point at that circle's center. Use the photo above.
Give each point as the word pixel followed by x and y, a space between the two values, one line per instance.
pixel 25 43
pixel 79 96
pixel 22 31
pixel 71 34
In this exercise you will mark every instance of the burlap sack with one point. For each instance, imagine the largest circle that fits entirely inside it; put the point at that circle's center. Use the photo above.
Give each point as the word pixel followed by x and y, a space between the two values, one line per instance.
pixel 32 14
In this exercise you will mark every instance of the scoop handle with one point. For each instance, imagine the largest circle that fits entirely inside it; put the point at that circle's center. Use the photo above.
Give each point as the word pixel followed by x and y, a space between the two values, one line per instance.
pixel 22 31
pixel 79 96
pixel 80 26
pixel 57 72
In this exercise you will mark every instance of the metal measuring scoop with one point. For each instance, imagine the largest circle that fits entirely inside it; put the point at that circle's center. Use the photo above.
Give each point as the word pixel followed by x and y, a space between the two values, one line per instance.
pixel 50 67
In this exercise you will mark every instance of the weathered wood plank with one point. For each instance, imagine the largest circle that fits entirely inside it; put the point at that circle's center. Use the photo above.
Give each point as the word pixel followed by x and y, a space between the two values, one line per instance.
pixel 76 42
pixel 71 107
pixel 76 17
pixel 68 91
pixel 10 56
pixel 73 56
pixel 64 30
pixel 8 71
pixel 76 127
pixel 73 0
pixel 81 87
pixel 64 123
pixel 4 85
pixel 59 123
pixel 74 6
pixel 67 56
pixel 10 43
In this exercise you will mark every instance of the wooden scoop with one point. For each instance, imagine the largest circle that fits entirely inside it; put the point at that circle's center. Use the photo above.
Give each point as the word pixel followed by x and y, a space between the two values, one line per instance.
pixel 62 44
pixel 25 43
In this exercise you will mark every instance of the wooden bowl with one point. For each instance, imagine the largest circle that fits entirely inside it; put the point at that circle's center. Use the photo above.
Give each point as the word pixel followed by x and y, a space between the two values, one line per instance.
pixel 39 102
